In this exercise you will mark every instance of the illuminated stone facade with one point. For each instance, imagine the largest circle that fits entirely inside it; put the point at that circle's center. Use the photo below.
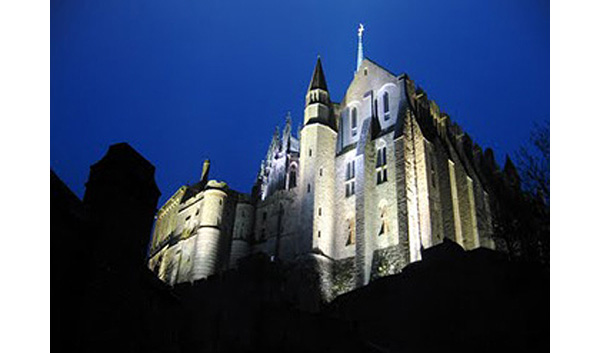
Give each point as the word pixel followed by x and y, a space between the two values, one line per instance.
pixel 368 184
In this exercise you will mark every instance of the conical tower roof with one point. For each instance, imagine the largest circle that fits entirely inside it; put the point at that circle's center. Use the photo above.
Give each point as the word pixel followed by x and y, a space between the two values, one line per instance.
pixel 318 77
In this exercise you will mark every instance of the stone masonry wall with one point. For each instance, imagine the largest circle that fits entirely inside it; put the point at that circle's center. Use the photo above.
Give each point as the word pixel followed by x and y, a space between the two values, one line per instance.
pixel 422 182
pixel 386 261
pixel 444 190
pixel 362 242
pixel 276 226
pixel 435 204
pixel 345 208
pixel 167 219
pixel 401 200
pixel 384 196
pixel 242 232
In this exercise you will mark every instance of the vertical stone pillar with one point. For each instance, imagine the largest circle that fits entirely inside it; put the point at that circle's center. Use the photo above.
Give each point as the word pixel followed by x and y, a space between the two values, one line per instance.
pixel 362 275
pixel 402 201
pixel 473 214
pixel 455 204
pixel 412 191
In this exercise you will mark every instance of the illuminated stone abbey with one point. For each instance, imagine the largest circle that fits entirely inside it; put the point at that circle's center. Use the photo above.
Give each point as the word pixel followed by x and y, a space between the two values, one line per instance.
pixel 367 184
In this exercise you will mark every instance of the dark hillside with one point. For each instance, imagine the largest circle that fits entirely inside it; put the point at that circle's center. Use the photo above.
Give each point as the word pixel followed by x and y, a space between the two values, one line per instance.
pixel 452 300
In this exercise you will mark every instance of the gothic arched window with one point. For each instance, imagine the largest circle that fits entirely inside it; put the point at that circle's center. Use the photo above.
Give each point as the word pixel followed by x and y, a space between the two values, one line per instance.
pixel 354 121
pixel 292 182
pixel 386 106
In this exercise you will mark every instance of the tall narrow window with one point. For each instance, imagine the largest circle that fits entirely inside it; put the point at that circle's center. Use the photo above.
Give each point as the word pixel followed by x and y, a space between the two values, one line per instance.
pixel 292 183
pixel 386 106
pixel 353 121
pixel 350 178
pixel 381 166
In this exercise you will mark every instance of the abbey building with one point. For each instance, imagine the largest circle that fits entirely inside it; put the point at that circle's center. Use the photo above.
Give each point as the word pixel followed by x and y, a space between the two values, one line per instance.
pixel 363 188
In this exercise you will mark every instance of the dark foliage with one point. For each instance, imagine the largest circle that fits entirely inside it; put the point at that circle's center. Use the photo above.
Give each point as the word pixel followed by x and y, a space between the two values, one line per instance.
pixel 522 214
pixel 534 163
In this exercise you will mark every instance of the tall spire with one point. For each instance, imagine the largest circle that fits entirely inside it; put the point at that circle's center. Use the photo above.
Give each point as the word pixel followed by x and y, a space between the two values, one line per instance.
pixel 287 134
pixel 318 77
pixel 359 59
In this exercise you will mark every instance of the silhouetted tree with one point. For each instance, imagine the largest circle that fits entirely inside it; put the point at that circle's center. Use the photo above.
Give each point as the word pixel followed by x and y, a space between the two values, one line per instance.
pixel 534 163
pixel 522 222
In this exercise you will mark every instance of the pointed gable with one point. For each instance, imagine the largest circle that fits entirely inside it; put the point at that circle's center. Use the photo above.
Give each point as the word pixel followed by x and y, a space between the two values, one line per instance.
pixel 374 93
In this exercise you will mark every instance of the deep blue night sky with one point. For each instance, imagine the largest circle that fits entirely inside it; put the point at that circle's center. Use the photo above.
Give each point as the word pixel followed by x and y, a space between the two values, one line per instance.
pixel 185 80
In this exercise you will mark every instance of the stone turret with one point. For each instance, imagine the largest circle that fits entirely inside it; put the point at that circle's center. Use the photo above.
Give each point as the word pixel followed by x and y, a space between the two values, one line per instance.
pixel 317 167
pixel 318 104
pixel 211 241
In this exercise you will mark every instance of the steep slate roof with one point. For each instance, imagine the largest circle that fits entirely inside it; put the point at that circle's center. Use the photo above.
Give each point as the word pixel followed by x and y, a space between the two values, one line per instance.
pixel 318 77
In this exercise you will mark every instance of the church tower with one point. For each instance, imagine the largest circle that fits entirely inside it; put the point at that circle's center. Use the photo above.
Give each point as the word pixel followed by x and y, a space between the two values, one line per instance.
pixel 317 168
